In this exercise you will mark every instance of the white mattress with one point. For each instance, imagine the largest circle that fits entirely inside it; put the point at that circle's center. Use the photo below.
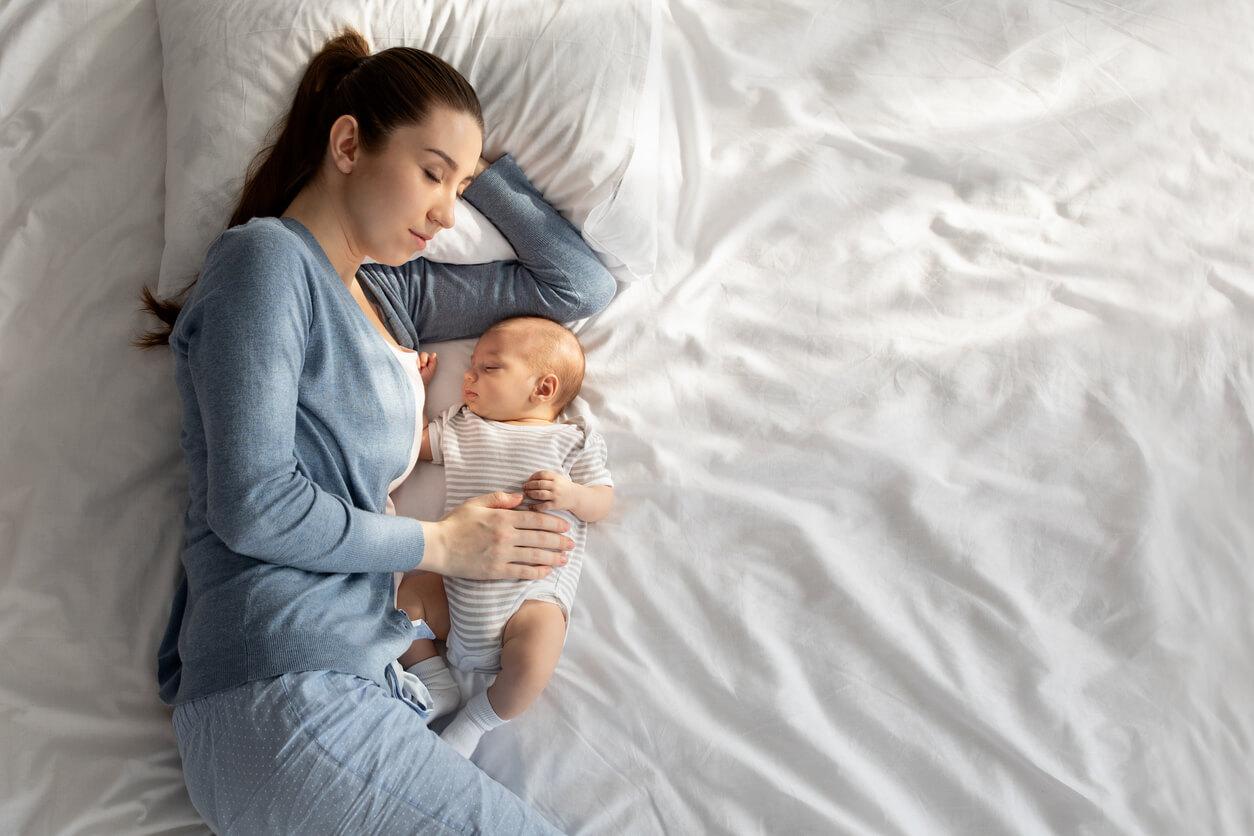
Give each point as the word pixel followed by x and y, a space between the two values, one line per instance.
pixel 932 433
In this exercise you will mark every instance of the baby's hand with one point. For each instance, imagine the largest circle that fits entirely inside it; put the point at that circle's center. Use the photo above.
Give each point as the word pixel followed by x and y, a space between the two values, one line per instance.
pixel 426 367
pixel 551 491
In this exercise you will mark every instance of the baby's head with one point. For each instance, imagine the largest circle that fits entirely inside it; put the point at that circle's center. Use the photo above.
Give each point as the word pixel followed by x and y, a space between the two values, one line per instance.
pixel 525 368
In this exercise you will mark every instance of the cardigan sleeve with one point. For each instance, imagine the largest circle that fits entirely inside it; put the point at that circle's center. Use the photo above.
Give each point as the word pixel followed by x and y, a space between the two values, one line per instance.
pixel 556 274
pixel 244 335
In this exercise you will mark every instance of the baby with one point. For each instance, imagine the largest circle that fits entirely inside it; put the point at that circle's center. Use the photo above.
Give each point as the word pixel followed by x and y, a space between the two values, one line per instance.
pixel 507 436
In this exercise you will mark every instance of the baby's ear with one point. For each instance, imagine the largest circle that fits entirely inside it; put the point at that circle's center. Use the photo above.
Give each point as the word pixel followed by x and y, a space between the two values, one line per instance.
pixel 546 387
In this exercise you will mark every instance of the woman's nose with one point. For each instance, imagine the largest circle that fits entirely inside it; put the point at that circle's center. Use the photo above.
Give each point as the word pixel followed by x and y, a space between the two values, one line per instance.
pixel 443 212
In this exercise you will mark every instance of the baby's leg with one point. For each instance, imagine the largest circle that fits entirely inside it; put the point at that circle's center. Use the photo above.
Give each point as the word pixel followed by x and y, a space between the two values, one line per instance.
pixel 529 652
pixel 422 596
pixel 530 648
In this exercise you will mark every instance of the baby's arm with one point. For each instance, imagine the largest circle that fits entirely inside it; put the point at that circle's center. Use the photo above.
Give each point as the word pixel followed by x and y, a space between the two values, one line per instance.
pixel 554 492
pixel 426 369
pixel 424 451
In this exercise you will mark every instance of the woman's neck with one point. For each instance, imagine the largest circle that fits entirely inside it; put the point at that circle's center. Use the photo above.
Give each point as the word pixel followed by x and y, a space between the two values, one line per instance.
pixel 315 209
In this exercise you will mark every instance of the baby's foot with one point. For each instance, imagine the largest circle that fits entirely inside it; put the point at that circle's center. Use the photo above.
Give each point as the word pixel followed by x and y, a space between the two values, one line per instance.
pixel 445 694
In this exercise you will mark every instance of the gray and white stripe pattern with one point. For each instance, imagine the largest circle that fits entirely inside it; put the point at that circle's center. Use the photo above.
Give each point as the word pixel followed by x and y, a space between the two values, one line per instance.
pixel 480 457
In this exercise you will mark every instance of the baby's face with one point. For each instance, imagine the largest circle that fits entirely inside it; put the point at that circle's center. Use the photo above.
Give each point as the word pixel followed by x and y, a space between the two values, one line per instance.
pixel 500 380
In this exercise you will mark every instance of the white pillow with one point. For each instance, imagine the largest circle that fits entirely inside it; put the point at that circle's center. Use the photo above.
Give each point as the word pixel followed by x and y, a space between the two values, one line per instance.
pixel 562 87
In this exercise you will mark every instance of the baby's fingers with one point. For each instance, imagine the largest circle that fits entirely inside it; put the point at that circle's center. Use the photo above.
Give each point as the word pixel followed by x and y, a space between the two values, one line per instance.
pixel 530 487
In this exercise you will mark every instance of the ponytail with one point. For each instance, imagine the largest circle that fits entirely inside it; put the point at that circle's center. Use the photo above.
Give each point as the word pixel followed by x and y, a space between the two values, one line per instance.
pixel 399 86
pixel 280 171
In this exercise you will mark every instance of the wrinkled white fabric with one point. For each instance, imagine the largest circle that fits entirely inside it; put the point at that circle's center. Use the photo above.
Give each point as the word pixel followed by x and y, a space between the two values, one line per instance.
pixel 931 433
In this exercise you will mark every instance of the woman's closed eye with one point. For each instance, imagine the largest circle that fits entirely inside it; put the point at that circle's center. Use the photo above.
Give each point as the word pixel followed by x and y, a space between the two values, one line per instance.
pixel 432 177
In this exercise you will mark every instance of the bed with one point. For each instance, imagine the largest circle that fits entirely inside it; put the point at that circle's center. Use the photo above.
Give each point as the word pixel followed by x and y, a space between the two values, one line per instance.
pixel 928 392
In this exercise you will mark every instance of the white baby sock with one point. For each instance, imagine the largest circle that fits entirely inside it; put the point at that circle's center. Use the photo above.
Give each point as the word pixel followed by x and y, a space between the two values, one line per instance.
pixel 440 683
pixel 475 719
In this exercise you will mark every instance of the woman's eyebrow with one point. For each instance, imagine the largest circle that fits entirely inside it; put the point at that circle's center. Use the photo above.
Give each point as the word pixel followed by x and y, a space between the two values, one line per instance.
pixel 446 159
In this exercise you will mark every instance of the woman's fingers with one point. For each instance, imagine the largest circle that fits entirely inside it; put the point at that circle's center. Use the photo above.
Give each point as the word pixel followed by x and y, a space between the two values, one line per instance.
pixel 551 550
pixel 484 538
pixel 500 499
pixel 535 521
pixel 538 546
pixel 523 571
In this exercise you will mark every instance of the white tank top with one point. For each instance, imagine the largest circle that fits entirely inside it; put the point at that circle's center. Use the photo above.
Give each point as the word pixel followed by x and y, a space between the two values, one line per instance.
pixel 409 362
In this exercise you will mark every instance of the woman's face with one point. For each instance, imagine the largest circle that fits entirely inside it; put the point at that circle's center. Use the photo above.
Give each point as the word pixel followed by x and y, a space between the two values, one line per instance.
pixel 401 195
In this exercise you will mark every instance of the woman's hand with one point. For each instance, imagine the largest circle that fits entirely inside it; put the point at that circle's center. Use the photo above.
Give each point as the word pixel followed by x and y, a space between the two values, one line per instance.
pixel 483 538
pixel 483 163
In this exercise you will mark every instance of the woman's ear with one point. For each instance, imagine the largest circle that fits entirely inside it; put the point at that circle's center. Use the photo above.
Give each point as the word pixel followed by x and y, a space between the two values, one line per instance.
pixel 345 144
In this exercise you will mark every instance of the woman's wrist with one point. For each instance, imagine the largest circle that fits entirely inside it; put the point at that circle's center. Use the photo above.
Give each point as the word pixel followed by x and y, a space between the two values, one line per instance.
pixel 433 547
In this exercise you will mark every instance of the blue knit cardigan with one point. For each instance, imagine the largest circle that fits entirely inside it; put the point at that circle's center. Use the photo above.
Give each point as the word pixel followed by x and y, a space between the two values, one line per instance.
pixel 296 418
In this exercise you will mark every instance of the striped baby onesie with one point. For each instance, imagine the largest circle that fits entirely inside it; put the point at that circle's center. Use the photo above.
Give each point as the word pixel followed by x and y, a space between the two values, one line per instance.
pixel 479 457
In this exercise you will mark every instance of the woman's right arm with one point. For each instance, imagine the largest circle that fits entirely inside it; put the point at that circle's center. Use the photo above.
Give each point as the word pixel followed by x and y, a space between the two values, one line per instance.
pixel 556 275
pixel 243 336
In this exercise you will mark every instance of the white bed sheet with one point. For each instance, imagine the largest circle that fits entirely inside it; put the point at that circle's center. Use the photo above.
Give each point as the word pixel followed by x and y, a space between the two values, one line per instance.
pixel 932 433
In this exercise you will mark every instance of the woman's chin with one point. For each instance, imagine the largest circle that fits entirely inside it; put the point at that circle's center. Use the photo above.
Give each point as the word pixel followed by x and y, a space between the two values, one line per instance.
pixel 396 259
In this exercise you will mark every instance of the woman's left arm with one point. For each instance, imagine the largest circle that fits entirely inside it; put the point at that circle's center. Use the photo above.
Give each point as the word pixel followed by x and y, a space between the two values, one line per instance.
pixel 556 274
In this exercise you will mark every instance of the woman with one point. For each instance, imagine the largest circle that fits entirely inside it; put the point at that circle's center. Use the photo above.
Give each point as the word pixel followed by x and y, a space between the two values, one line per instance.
pixel 294 365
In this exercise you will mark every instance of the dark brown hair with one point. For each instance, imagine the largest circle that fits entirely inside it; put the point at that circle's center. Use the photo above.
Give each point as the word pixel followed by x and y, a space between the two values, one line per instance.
pixel 391 89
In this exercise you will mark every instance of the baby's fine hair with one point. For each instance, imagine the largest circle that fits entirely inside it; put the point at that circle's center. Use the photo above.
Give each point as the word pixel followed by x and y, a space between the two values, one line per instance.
pixel 554 348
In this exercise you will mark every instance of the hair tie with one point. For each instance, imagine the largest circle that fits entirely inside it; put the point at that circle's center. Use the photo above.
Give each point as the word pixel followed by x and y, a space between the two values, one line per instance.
pixel 352 68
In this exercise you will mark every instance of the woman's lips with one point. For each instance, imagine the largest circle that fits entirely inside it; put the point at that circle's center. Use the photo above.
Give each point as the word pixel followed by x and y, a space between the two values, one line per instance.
pixel 420 241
